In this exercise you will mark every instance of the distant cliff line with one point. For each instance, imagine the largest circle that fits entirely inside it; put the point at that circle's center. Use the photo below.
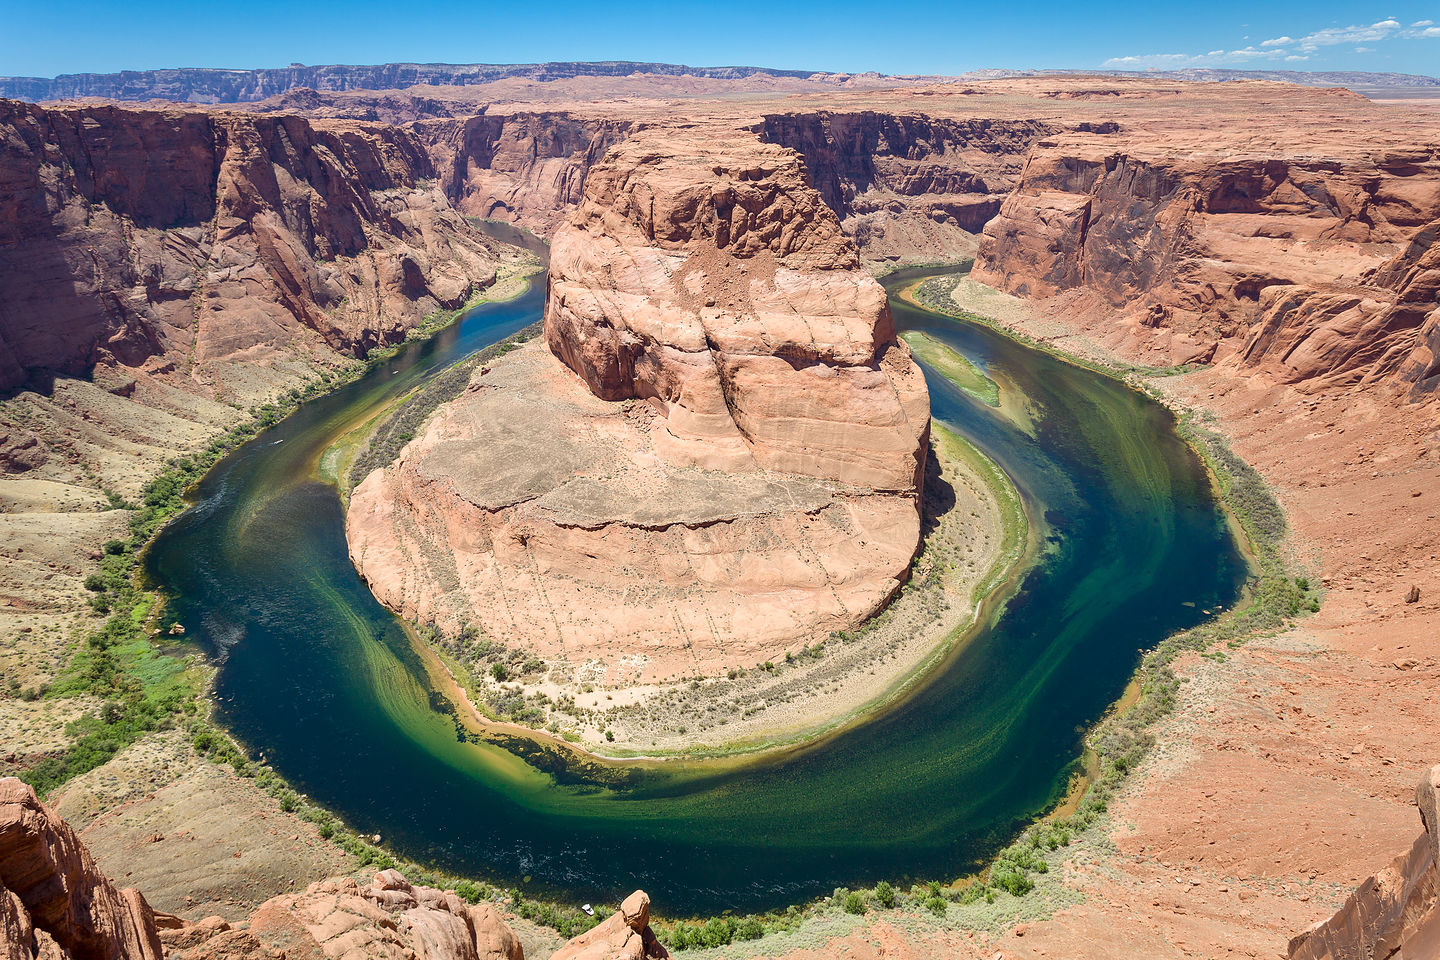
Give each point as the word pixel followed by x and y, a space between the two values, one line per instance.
pixel 221 85
pixel 217 85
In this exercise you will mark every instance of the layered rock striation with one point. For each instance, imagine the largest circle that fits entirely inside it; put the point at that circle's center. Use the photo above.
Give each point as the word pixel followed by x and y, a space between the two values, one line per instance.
pixel 183 244
pixel 54 902
pixel 527 168
pixel 910 187
pixel 1313 266
pixel 717 458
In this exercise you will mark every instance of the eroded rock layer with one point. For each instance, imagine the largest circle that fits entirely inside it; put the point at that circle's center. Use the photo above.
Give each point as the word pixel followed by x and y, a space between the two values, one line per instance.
pixel 54 902
pixel 182 244
pixel 1311 263
pixel 910 187
pixel 735 469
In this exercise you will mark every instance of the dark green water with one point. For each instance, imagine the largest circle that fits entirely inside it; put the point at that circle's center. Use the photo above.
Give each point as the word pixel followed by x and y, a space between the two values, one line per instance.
pixel 322 680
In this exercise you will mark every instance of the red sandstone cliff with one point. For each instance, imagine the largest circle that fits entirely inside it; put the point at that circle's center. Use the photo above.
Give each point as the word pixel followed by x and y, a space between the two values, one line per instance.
pixel 909 187
pixel 528 168
pixel 54 903
pixel 1311 265
pixel 182 243
pixel 733 473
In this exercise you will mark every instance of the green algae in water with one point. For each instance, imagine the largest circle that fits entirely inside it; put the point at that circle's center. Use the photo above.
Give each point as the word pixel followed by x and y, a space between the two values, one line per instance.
pixel 315 674
pixel 953 366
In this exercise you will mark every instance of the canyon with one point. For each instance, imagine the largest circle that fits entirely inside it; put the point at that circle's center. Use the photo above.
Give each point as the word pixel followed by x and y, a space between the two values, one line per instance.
pixel 1258 253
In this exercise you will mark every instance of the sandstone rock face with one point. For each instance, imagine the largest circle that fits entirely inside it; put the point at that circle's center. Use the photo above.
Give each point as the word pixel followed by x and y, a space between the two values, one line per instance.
pixel 711 280
pixel 1315 268
pixel 908 186
pixel 180 244
pixel 1394 914
pixel 733 473
pixel 54 903
pixel 340 920
pixel 528 168
pixel 624 935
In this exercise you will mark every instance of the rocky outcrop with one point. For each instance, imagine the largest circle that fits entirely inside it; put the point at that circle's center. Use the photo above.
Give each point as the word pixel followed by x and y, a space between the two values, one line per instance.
pixel 1394 914
pixel 338 919
pixel 909 186
pixel 710 280
pixel 183 243
pixel 733 473
pixel 624 935
pixel 1314 268
pixel 54 902
pixel 528 168
pixel 56 905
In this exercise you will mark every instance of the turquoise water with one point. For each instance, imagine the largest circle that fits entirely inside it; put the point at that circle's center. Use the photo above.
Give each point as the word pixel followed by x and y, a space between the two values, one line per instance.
pixel 318 677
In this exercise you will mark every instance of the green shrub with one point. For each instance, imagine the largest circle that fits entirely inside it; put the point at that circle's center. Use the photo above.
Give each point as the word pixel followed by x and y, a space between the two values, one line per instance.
pixel 885 894
pixel 854 902
pixel 717 932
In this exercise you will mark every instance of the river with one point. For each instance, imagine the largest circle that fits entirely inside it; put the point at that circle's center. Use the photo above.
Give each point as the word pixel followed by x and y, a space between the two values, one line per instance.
pixel 318 677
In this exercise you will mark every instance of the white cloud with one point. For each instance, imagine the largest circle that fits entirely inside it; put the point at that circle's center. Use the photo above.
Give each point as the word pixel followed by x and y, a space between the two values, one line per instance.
pixel 1285 48
pixel 1332 36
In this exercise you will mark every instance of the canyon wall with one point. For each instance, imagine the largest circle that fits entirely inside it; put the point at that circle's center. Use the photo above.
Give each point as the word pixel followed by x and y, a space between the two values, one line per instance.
pixel 908 186
pixel 724 461
pixel 186 244
pixel 1395 913
pixel 528 168
pixel 1314 267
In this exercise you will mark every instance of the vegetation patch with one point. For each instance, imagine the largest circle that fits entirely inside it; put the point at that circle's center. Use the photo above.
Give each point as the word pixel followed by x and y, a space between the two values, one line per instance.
pixel 954 366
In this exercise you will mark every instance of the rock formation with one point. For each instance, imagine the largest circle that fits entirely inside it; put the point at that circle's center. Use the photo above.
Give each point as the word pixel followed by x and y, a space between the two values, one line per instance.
pixel 1314 263
pixel 1395 913
pixel 624 935
pixel 906 186
pixel 528 168
pixel 54 903
pixel 734 471
pixel 338 919
pixel 183 244
pixel 710 280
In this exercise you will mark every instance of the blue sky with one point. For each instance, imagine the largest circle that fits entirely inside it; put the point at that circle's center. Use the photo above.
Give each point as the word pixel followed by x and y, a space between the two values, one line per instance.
pixel 898 36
